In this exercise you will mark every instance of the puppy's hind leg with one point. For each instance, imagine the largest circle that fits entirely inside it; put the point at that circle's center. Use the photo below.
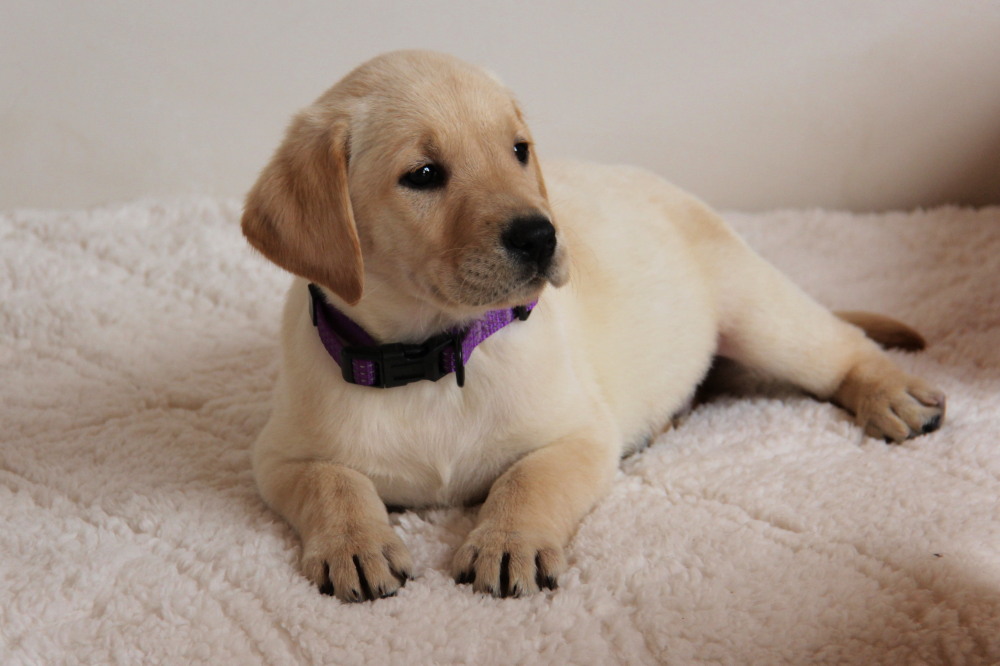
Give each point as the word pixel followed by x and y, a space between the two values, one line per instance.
pixel 727 377
pixel 769 324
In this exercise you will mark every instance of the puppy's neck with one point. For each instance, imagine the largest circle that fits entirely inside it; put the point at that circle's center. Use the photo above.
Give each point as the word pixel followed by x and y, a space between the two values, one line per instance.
pixel 390 316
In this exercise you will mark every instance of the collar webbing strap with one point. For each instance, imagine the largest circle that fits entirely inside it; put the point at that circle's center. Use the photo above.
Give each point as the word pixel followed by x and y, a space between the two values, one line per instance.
pixel 366 363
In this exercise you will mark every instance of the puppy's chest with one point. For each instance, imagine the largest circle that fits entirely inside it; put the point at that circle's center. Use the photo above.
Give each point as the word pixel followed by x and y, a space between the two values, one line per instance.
pixel 435 443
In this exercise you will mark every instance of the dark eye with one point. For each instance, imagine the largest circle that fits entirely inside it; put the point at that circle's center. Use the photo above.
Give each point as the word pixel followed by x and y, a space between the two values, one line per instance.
pixel 426 177
pixel 521 151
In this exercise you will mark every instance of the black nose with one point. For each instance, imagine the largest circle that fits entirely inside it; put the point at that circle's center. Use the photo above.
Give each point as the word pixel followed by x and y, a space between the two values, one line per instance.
pixel 531 240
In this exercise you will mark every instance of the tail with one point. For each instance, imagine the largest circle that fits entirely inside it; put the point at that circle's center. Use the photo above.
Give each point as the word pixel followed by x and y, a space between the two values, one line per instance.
pixel 886 331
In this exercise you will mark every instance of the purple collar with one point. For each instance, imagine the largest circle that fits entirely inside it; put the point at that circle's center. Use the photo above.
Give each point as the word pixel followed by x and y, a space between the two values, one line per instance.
pixel 366 363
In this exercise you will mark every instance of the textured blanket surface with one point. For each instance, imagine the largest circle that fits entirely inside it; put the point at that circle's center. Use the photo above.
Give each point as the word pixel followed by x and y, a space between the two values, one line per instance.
pixel 138 348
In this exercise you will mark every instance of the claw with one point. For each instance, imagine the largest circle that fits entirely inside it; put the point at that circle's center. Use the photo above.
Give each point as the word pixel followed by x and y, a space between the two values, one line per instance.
pixel 505 590
pixel 931 425
pixel 543 579
pixel 366 589
pixel 327 587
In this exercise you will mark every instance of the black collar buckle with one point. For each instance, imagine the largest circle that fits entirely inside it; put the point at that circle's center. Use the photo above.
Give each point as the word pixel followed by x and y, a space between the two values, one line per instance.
pixel 400 364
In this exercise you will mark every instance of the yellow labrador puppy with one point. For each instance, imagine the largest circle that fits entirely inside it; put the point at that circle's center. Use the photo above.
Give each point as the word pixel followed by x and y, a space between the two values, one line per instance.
pixel 462 329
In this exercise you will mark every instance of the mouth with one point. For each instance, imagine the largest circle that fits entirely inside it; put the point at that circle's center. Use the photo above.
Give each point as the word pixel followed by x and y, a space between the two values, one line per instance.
pixel 463 292
pixel 493 280
pixel 525 292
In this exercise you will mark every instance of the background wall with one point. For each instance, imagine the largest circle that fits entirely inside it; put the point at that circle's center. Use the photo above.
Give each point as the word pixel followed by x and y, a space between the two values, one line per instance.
pixel 752 105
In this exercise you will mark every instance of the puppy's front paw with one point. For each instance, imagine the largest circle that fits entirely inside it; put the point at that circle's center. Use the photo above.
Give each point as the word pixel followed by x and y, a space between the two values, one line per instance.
pixel 890 404
pixel 367 561
pixel 508 563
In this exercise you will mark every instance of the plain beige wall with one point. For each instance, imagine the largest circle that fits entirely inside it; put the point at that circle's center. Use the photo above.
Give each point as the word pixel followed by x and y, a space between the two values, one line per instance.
pixel 753 105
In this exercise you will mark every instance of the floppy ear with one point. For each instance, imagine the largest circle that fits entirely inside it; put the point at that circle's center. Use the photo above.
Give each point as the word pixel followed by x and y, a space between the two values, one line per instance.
pixel 299 213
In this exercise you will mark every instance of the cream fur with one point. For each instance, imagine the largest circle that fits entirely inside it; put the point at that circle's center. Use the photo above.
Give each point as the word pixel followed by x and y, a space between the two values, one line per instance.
pixel 653 280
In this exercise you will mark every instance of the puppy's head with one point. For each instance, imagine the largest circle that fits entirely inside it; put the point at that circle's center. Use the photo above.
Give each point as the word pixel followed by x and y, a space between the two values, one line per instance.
pixel 417 170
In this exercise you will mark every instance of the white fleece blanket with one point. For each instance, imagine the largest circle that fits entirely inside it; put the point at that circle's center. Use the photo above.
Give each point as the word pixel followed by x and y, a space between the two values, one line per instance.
pixel 138 348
